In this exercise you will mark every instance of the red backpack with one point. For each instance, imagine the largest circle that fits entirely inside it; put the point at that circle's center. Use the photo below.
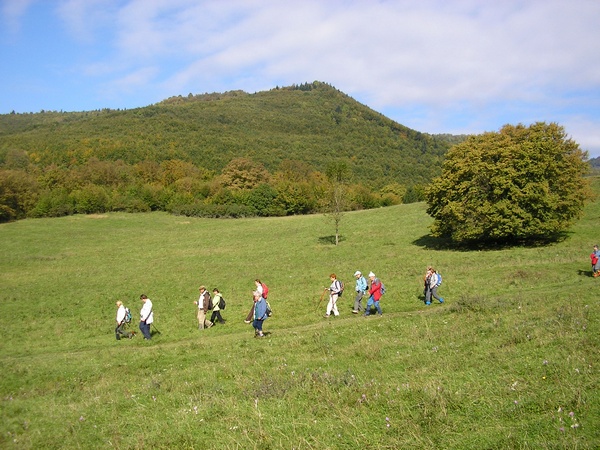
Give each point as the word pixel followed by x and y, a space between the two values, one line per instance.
pixel 265 290
pixel 593 256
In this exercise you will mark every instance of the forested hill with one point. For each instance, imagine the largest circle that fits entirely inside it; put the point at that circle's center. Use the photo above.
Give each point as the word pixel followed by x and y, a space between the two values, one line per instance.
pixel 313 123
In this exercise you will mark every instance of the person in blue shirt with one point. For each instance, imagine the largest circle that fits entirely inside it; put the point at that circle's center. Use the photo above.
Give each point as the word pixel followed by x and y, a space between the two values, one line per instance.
pixel 361 288
pixel 260 314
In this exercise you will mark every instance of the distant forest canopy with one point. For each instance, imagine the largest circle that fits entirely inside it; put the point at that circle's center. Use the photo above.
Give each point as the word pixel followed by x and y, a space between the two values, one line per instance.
pixel 229 154
pixel 220 155
pixel 313 123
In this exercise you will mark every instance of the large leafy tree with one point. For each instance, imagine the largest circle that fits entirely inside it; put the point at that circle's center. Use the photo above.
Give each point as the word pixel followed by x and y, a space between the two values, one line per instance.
pixel 518 184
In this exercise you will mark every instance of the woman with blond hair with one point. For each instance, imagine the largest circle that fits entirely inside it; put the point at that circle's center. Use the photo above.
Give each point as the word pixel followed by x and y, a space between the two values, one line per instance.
pixel 122 322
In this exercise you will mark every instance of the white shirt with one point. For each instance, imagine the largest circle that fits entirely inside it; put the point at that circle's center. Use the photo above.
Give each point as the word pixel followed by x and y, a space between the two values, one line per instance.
pixel 433 280
pixel 146 314
pixel 121 314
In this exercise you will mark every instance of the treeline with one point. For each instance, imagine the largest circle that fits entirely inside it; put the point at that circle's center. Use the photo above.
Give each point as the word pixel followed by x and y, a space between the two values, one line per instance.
pixel 177 155
pixel 244 188
pixel 314 123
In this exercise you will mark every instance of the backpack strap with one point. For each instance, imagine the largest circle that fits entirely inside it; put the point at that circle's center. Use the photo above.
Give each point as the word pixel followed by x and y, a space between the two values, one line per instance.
pixel 338 286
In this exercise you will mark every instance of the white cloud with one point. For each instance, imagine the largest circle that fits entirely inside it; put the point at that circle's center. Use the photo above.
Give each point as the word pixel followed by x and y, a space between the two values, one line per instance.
pixel 464 65
pixel 13 11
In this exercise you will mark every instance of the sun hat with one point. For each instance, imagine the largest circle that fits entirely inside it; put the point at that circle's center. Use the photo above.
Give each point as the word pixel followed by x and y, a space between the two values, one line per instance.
pixel 371 274
pixel 358 272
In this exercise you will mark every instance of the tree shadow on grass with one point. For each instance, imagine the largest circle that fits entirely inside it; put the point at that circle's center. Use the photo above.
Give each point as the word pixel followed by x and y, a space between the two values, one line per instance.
pixel 430 242
pixel 330 240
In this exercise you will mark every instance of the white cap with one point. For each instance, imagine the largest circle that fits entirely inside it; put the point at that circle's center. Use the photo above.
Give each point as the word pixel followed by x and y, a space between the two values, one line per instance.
pixel 371 274
pixel 358 272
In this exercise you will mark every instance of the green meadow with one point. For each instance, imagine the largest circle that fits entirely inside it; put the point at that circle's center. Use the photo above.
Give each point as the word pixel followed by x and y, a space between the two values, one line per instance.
pixel 510 360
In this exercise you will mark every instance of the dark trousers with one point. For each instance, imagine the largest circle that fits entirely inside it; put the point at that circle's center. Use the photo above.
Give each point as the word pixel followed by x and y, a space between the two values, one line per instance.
pixel 145 329
pixel 120 331
pixel 258 324
pixel 216 315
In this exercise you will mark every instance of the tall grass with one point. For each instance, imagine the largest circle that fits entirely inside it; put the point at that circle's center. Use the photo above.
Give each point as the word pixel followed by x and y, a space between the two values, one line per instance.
pixel 509 361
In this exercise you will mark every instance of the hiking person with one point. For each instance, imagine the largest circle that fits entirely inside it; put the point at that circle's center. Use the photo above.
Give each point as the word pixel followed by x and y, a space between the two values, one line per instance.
pixel 426 280
pixel 595 257
pixel 374 295
pixel 122 322
pixel 361 289
pixel 146 316
pixel 334 292
pixel 433 281
pixel 260 313
pixel 216 315
pixel 203 304
pixel 263 290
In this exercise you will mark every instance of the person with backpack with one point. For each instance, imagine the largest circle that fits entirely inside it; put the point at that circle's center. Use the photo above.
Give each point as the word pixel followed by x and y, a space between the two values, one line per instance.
pixel 433 282
pixel 335 291
pixel 361 289
pixel 374 295
pixel 260 313
pixel 218 305
pixel 263 290
pixel 204 304
pixel 595 257
pixel 123 318
pixel 146 316
pixel 426 280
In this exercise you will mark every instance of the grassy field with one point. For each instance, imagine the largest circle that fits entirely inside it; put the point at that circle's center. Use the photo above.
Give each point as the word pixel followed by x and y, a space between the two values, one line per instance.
pixel 509 361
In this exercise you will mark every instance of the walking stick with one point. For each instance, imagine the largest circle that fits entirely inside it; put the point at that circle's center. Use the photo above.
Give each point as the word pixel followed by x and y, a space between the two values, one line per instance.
pixel 321 299
pixel 155 329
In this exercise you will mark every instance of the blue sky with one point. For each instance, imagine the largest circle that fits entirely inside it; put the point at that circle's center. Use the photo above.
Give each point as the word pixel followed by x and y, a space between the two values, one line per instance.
pixel 437 66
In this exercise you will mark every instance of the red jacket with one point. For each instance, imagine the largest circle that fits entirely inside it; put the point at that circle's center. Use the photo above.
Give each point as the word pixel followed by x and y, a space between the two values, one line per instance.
pixel 375 289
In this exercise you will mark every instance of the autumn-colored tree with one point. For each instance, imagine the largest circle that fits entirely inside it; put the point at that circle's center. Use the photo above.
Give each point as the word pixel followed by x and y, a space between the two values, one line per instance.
pixel 18 194
pixel 243 173
pixel 518 184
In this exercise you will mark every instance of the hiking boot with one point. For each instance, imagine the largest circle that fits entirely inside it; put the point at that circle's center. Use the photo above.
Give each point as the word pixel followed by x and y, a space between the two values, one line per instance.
pixel 441 299
pixel 354 311
pixel 326 316
pixel 427 303
pixel 247 321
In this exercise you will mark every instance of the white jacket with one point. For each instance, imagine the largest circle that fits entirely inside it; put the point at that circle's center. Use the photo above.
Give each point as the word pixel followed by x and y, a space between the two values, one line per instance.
pixel 121 314
pixel 433 281
pixel 146 314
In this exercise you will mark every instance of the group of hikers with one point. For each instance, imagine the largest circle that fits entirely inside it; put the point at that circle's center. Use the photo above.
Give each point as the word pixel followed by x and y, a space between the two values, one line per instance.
pixel 261 310
pixel 124 318
pixel 336 289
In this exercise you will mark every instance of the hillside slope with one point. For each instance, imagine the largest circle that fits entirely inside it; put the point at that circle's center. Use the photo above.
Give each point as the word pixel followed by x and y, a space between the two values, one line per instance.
pixel 314 123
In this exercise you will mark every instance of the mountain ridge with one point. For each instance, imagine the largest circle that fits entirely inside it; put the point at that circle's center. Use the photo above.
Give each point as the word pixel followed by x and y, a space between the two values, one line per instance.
pixel 313 122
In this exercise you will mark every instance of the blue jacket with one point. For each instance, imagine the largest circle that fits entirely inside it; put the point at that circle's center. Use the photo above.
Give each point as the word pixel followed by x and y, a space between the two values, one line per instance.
pixel 361 284
pixel 260 309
